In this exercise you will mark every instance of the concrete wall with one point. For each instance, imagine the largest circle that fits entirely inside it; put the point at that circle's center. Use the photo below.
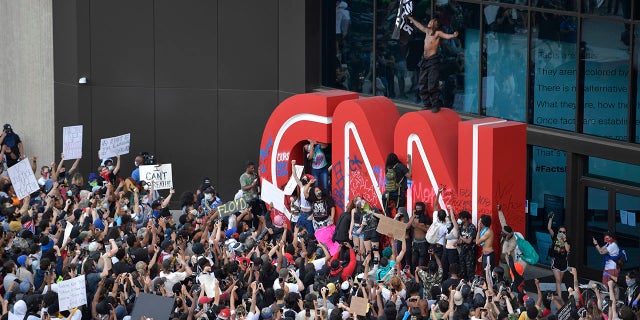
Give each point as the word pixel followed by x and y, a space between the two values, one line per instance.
pixel 26 74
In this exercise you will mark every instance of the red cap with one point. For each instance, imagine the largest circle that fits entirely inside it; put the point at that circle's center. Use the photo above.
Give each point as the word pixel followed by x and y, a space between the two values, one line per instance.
pixel 289 258
pixel 205 300
pixel 224 314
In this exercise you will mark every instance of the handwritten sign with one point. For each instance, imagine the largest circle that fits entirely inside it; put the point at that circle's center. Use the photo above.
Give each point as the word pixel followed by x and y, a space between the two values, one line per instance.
pixel 72 293
pixel 391 226
pixel 291 184
pixel 232 206
pixel 110 147
pixel 161 175
pixel 67 232
pixel 271 194
pixel 568 311
pixel 359 306
pixel 72 142
pixel 22 178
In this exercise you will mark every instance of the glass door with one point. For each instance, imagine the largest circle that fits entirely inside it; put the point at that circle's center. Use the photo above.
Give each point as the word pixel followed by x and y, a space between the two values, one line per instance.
pixel 606 206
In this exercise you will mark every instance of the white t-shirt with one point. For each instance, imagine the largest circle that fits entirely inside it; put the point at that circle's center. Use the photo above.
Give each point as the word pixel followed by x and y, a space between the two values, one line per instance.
pixel 206 279
pixel 614 250
pixel 172 278
pixel 293 287
pixel 319 263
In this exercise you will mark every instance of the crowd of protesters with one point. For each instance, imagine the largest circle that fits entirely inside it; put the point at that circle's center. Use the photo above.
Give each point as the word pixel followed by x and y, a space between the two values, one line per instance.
pixel 262 264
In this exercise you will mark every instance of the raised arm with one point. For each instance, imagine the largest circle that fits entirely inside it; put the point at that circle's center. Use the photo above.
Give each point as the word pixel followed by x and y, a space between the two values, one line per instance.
pixel 447 36
pixel 295 176
pixel 503 221
pixel 549 223
pixel 74 166
pixel 117 167
pixel 436 201
pixel 418 25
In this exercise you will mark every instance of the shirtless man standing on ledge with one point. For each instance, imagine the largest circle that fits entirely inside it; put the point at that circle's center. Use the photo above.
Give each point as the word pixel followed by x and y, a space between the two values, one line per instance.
pixel 430 63
pixel 484 238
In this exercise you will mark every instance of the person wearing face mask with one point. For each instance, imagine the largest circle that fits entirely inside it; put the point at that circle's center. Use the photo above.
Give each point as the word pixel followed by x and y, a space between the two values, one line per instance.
pixel 611 253
pixel 110 173
pixel 450 254
pixel 323 208
pixel 210 202
pixel 419 224
pixel 559 253
pixel 62 173
pixel 467 245
pixel 135 174
pixel 632 293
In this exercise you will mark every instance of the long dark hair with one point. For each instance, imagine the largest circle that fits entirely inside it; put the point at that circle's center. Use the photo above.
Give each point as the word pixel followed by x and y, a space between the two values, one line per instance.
pixel 392 159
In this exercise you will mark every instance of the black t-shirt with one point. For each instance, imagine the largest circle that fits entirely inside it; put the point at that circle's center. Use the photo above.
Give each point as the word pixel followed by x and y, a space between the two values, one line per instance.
pixel 12 140
pixel 322 209
pixel 122 267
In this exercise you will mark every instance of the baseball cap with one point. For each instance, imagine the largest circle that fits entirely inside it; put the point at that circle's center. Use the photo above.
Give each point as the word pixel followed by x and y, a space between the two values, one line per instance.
pixel 457 298
pixel 224 314
pixel 266 313
pixel 166 243
pixel 205 299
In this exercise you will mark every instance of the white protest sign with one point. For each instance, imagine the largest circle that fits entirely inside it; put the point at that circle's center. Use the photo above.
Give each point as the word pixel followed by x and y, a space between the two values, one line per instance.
pixel 72 293
pixel 161 176
pixel 67 232
pixel 72 142
pixel 291 184
pixel 22 179
pixel 110 147
pixel 271 194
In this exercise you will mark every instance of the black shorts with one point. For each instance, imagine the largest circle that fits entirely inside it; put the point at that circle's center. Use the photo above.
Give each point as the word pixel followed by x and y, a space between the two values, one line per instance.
pixel 371 235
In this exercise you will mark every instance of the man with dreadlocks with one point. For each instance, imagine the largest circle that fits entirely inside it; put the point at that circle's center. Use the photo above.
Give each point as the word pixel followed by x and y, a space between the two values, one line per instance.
pixel 430 64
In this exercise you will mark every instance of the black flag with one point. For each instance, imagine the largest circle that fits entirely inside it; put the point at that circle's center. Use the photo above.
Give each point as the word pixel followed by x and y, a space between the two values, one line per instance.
pixel 405 8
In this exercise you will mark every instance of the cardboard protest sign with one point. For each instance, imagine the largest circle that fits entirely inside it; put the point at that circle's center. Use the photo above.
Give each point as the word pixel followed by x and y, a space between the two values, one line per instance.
pixel 72 142
pixel 291 184
pixel 271 194
pixel 359 306
pixel 22 179
pixel 391 226
pixel 161 175
pixel 72 293
pixel 111 147
pixel 231 207
pixel 152 306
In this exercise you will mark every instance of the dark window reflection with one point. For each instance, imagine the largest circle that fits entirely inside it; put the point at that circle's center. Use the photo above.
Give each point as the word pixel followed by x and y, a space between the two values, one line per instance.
pixel 567 5
pixel 353 44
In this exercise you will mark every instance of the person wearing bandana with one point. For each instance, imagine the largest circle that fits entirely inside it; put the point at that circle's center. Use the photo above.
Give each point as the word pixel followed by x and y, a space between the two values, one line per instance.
pixel 611 253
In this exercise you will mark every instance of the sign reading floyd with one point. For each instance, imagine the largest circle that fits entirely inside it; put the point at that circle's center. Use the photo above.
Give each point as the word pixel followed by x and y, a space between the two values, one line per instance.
pixel 479 163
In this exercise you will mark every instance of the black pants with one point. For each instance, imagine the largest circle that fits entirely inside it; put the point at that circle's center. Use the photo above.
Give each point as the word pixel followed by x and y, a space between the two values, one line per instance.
pixel 468 263
pixel 448 257
pixel 429 82
pixel 419 253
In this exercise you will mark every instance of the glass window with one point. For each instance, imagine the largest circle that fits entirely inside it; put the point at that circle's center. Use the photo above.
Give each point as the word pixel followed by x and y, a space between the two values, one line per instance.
pixel 460 67
pixel 349 55
pixel 619 8
pixel 504 86
pixel 606 78
pixel 626 230
pixel 596 223
pixel 548 193
pixel 554 54
pixel 636 62
pixel 571 5
pixel 614 170
pixel 518 2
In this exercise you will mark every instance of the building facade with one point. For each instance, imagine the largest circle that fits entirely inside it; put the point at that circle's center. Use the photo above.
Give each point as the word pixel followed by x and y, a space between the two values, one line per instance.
pixel 194 81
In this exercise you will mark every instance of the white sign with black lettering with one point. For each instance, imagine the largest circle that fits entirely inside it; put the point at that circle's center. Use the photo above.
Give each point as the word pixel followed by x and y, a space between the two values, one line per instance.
pixel 72 142
pixel 111 147
pixel 22 178
pixel 161 176
pixel 72 293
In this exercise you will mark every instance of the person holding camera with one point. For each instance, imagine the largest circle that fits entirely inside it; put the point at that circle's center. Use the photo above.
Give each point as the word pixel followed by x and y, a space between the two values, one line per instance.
pixel 11 146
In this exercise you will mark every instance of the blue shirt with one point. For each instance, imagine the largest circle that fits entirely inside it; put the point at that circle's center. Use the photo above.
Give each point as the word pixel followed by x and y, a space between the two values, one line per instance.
pixel 136 175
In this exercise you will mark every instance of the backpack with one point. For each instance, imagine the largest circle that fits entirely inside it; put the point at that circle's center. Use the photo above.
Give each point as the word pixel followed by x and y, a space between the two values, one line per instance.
pixel 529 254
pixel 392 185
pixel 432 233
